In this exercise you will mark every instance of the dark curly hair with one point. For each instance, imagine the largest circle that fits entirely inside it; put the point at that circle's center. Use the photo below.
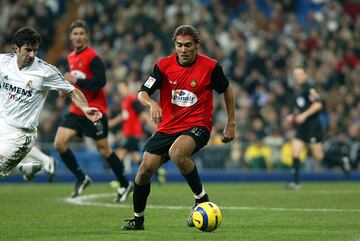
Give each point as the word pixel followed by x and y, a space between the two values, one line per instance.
pixel 26 35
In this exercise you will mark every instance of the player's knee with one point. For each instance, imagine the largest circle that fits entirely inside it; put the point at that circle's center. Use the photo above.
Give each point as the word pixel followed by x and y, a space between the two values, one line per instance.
pixel 59 146
pixel 104 149
pixel 318 156
pixel 146 171
pixel 176 155
pixel 143 176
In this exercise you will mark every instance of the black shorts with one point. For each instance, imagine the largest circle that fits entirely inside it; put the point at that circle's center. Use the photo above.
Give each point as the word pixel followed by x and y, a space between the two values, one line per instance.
pixel 83 126
pixel 129 143
pixel 160 143
pixel 310 132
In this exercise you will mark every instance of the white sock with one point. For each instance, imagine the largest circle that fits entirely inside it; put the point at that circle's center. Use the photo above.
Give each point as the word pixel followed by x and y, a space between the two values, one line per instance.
pixel 36 155
pixel 200 195
pixel 139 214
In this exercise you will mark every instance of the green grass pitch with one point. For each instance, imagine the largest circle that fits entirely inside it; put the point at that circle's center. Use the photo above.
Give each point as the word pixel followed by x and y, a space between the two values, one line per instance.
pixel 251 212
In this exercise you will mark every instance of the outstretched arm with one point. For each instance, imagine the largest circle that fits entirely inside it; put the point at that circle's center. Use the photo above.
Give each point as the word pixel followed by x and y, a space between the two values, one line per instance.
pixel 79 99
pixel 229 131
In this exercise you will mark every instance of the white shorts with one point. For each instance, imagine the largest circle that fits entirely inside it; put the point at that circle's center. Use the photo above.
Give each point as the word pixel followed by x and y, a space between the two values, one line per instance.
pixel 15 143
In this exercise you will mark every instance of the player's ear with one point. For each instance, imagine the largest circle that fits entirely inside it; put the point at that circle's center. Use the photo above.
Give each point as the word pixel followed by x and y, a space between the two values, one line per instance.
pixel 15 47
pixel 197 45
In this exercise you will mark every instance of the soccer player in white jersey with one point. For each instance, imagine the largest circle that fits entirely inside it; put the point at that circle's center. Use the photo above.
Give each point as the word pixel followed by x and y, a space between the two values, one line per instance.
pixel 24 83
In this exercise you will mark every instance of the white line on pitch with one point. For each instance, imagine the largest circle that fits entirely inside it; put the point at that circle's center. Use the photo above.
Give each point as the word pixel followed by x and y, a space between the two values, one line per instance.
pixel 87 200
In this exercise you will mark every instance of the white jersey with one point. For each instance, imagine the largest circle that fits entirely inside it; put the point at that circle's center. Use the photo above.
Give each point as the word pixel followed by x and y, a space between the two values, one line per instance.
pixel 23 92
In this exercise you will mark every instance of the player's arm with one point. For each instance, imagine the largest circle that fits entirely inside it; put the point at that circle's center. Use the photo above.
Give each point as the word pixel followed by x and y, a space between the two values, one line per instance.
pixel 54 80
pixel 314 108
pixel 155 110
pixel 221 84
pixel 147 89
pixel 118 119
pixel 229 99
pixel 79 99
pixel 97 67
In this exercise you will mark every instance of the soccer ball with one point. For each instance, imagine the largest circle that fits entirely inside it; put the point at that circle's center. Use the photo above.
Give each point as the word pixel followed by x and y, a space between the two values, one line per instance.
pixel 207 216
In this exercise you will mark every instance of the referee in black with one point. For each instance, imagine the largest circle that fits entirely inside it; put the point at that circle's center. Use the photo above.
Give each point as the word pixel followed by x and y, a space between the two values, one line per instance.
pixel 306 120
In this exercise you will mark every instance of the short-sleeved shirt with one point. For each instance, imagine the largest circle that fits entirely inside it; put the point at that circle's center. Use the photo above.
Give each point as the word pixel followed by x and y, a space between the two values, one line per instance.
pixel 186 92
pixel 311 130
pixel 305 96
pixel 23 92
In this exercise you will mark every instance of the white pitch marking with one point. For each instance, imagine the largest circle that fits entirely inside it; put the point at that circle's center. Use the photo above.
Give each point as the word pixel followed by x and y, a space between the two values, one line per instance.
pixel 87 200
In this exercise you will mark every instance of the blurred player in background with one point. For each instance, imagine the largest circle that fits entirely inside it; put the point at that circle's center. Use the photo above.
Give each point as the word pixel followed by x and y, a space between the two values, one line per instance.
pixel 25 81
pixel 186 81
pixel 306 120
pixel 88 74
pixel 132 119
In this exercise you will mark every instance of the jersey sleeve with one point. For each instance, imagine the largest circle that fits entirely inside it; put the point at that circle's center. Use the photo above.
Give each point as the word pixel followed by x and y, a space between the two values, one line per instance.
pixel 313 95
pixel 54 80
pixel 153 82
pixel 218 80
pixel 137 107
pixel 99 79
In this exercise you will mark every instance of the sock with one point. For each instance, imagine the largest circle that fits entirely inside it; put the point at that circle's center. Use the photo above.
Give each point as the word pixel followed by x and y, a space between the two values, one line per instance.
pixel 140 195
pixel 37 155
pixel 296 170
pixel 194 182
pixel 117 167
pixel 69 159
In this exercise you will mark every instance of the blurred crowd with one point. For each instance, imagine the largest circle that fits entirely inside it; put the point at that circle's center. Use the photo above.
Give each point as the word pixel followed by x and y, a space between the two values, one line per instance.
pixel 257 42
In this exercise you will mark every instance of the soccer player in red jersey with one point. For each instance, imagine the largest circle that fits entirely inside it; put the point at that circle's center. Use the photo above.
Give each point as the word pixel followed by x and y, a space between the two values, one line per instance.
pixel 186 81
pixel 132 118
pixel 88 74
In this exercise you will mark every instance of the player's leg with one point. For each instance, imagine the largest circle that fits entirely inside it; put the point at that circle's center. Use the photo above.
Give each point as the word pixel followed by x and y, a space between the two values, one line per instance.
pixel 179 153
pixel 184 146
pixel 149 165
pixel 123 152
pixel 47 162
pixel 297 146
pixel 14 146
pixel 117 166
pixel 155 153
pixel 317 151
pixel 61 144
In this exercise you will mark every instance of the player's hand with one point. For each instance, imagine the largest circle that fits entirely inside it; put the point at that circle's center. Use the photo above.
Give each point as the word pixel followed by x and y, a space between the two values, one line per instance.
pixel 155 113
pixel 62 94
pixel 92 114
pixel 300 118
pixel 70 77
pixel 229 134
pixel 290 119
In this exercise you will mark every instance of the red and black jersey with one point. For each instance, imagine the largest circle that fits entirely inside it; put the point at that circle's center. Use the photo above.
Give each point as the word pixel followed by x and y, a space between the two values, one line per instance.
pixel 186 92
pixel 90 73
pixel 131 126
